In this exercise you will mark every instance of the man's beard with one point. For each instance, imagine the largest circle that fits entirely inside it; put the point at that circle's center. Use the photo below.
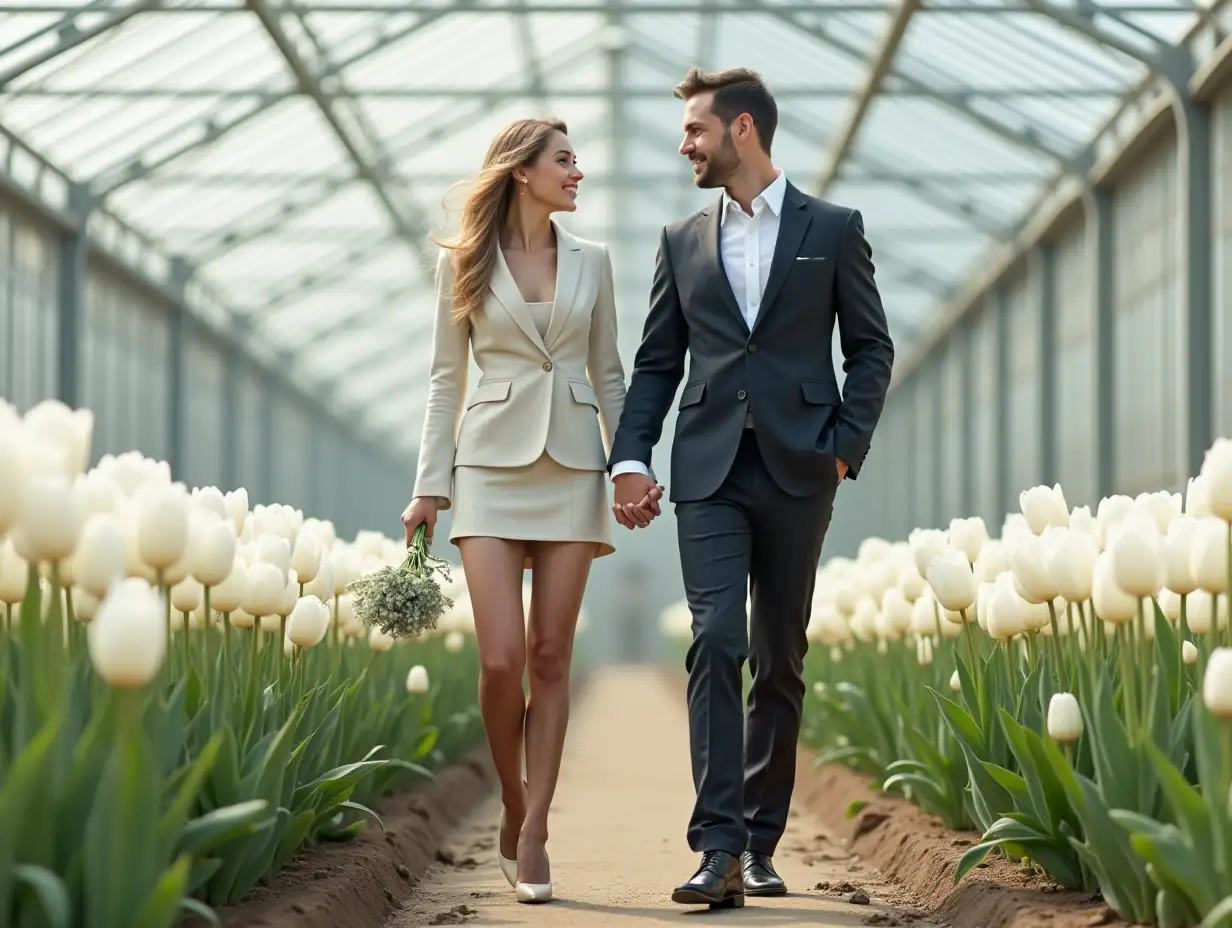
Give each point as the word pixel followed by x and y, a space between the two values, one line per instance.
pixel 719 167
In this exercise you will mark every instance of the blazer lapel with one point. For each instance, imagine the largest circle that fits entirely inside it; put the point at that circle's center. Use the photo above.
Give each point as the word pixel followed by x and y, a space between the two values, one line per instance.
pixel 569 260
pixel 792 225
pixel 505 288
pixel 708 231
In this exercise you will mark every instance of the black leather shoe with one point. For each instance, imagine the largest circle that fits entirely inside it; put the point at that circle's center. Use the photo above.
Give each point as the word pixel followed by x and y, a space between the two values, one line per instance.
pixel 717 883
pixel 760 878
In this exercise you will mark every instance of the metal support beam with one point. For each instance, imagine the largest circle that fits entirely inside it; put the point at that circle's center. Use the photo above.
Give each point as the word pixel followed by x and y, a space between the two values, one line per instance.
pixel 879 66
pixel 74 251
pixel 177 361
pixel 935 393
pixel 1099 207
pixel 1000 305
pixel 968 458
pixel 230 418
pixel 1043 267
pixel 580 7
pixel 373 165
pixel 1194 242
pixel 265 491
pixel 68 35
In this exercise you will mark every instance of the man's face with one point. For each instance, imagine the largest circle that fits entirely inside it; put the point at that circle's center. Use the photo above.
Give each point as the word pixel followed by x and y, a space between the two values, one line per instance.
pixel 708 143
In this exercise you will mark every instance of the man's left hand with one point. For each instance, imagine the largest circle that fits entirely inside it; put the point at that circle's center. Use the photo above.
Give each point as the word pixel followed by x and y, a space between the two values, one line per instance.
pixel 842 469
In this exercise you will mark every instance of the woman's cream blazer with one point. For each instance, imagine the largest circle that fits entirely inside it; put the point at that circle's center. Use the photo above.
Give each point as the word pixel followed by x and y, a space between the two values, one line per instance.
pixel 562 393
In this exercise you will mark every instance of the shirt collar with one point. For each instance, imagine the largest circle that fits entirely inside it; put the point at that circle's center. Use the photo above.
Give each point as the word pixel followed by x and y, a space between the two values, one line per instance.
pixel 771 197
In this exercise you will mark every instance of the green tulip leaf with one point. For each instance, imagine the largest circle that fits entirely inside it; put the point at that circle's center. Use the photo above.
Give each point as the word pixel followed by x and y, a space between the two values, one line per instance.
pixel 50 891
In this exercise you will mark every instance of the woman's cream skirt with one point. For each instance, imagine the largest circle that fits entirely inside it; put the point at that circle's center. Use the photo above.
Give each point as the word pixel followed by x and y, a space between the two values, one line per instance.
pixel 543 501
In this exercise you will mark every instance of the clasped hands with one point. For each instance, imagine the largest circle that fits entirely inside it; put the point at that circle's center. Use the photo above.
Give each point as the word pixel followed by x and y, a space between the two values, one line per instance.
pixel 637 497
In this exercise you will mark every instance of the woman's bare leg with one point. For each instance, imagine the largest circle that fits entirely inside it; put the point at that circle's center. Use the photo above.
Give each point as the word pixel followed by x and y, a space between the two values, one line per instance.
pixel 558 581
pixel 494 571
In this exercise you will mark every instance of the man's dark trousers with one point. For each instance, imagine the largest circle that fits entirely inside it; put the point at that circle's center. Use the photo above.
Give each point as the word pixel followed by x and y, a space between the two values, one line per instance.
pixel 748 532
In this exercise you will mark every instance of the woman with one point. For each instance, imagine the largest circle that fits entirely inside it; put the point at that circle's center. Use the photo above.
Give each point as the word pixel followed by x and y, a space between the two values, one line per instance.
pixel 526 475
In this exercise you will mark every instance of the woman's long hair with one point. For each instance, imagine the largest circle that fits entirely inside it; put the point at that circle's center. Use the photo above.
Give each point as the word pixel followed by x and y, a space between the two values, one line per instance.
pixel 475 248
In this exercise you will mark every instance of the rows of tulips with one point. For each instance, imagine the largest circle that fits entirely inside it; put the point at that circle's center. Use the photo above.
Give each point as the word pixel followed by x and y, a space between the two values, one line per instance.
pixel 1066 688
pixel 186 696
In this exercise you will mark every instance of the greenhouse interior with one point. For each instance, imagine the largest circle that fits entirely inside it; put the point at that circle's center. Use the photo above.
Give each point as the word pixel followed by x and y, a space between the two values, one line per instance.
pixel 219 232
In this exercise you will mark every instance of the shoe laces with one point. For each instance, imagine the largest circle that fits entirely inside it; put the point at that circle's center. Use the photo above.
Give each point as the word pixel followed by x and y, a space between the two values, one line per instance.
pixel 713 861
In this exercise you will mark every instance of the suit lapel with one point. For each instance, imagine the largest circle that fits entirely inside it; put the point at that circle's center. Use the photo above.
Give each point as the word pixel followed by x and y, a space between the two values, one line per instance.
pixel 569 261
pixel 505 288
pixel 709 230
pixel 792 225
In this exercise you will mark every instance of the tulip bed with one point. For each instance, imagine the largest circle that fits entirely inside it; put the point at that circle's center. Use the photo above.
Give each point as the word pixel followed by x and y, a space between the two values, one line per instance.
pixel 186 698
pixel 1066 689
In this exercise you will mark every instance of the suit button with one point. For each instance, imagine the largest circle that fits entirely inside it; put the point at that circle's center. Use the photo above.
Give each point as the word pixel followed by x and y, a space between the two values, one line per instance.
pixel 547 365
pixel 752 349
pixel 741 395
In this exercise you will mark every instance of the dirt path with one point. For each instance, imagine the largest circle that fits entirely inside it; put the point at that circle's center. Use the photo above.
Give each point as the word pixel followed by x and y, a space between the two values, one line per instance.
pixel 617 844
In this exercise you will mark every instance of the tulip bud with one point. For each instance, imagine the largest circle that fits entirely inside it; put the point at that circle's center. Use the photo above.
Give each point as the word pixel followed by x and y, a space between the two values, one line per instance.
pixel 1169 604
pixel 211 548
pixel 1200 612
pixel 275 550
pixel 210 499
pixel 955 682
pixel 14 574
pixel 1217 683
pixel 455 642
pixel 306 558
pixel 1005 609
pixel 1178 555
pixel 1070 557
pixel 308 622
pixel 379 641
pixel 991 562
pixel 1217 470
pixel 1137 558
pixel 926 544
pixel 1027 556
pixel 1064 718
pixel 85 605
pixel 186 595
pixel 162 526
pixel 236 503
pixel 100 559
pixel 49 523
pixel 1209 554
pixel 1043 507
pixel 896 609
pixel 417 680
pixel 1112 604
pixel 924 651
pixel 952 581
pixel 128 638
pixel 1198 498
pixel 969 536
pixel 227 596
pixel 264 589
pixel 1189 652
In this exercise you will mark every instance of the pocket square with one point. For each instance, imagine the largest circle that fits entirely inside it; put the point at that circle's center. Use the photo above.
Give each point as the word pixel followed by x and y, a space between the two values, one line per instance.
pixel 804 258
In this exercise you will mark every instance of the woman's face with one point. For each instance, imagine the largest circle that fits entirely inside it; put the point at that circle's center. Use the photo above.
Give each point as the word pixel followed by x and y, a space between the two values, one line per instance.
pixel 553 178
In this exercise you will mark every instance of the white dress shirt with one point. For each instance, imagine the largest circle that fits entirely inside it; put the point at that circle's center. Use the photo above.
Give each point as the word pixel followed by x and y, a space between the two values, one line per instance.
pixel 746 248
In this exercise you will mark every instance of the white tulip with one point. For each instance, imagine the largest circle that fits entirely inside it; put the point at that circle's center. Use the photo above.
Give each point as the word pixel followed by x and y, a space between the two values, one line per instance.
pixel 1198 498
pixel 1217 682
pixel 983 600
pixel 49 522
pixel 910 583
pixel 896 609
pixel 1112 509
pixel 96 493
pixel 379 641
pixel 1112 604
pixel 952 581
pixel 290 594
pixel 70 431
pixel 276 550
pixel 955 682
pixel 926 544
pixel 923 617
pixel 308 622
pixel 456 641
pixel 100 557
pixel 1044 506
pixel 242 619
pixel 1200 613
pixel 322 585
pixel 14 574
pixel 162 526
pixel 1027 557
pixel 228 595
pixel 186 595
pixel 1189 653
pixel 417 680
pixel 1137 557
pixel 1178 555
pixel 1217 469
pixel 1005 609
pixel 12 474
pixel 85 606
pixel 991 562
pixel 969 536
pixel 1209 554
pixel 236 503
pixel 924 651
pixel 1169 604
pixel 210 499
pixel 128 638
pixel 306 558
pixel 1161 507
pixel 264 590
pixel 211 548
pixel 1070 562
pixel 1081 520
pixel 1064 718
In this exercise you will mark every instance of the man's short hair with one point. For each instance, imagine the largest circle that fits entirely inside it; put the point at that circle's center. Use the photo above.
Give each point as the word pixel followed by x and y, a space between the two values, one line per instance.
pixel 736 91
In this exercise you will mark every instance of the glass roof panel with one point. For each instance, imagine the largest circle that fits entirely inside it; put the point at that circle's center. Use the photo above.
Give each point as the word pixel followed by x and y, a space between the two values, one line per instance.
pixel 189 125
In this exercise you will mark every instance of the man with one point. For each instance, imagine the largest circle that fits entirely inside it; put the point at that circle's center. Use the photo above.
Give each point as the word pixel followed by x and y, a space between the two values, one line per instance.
pixel 751 289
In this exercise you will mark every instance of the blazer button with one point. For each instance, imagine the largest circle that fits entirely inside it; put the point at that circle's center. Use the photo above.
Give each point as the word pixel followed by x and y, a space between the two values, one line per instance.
pixel 547 365
pixel 741 395
pixel 752 349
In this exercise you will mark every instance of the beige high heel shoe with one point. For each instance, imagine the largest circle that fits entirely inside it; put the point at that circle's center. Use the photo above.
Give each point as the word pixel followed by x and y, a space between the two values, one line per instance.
pixel 534 892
